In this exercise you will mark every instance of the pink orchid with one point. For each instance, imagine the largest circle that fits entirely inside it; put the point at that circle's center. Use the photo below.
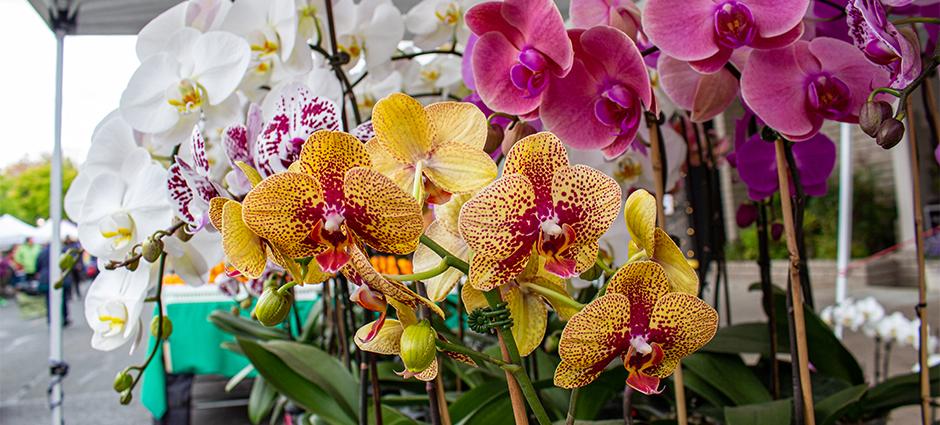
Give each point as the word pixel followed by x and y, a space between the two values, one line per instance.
pixel 706 32
pixel 189 186
pixel 298 115
pixel 621 14
pixel 598 105
pixel 882 43
pixel 793 89
pixel 522 45
pixel 703 95
pixel 238 141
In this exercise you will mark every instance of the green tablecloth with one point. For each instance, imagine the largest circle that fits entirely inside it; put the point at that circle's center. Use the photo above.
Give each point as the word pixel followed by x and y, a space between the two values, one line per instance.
pixel 195 347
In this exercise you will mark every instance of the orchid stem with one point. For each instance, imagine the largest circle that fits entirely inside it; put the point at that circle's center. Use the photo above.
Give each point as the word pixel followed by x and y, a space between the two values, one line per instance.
pixel 442 252
pixel 917 20
pixel 286 287
pixel 477 356
pixel 609 271
pixel 554 296
pixel 441 267
pixel 888 90
pixel 572 406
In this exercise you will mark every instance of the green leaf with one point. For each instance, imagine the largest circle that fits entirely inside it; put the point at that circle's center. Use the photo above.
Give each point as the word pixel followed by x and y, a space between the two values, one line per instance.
pixel 831 408
pixel 744 338
pixel 476 399
pixel 322 369
pixel 770 413
pixel 707 391
pixel 903 390
pixel 390 416
pixel 260 400
pixel 242 327
pixel 595 395
pixel 294 386
pixel 238 378
pixel 729 375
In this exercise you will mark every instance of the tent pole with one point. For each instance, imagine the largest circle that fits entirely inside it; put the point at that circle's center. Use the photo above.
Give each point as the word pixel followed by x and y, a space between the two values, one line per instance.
pixel 55 243
pixel 845 215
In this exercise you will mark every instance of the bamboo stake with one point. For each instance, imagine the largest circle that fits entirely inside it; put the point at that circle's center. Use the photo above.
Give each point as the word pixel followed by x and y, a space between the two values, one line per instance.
pixel 796 292
pixel 657 155
pixel 515 392
pixel 925 413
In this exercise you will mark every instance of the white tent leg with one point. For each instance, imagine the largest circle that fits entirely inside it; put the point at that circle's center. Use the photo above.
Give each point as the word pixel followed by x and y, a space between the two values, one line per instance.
pixel 845 215
pixel 55 243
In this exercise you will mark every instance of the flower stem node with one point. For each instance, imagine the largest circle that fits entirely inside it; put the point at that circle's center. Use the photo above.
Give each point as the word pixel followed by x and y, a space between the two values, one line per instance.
pixel 273 307
pixel 872 115
pixel 486 319
pixel 151 249
pixel 155 327
pixel 417 346
pixel 182 234
pixel 890 133
pixel 132 264
pixel 123 381
pixel 126 397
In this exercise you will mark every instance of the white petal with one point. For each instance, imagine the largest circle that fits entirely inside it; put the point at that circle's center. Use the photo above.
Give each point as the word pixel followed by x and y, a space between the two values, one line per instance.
pixel 153 36
pixel 283 16
pixel 246 16
pixel 382 34
pixel 220 63
pixel 143 103
pixel 420 20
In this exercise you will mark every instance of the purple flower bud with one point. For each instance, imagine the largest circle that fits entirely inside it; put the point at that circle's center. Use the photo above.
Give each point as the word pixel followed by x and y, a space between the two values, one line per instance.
pixel 889 133
pixel 746 215
pixel 871 116
pixel 776 231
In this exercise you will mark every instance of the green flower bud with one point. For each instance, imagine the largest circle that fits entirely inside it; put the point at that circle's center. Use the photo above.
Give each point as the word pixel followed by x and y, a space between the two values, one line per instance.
pixel 417 346
pixel 182 234
pixel 155 326
pixel 272 307
pixel 889 133
pixel 123 381
pixel 151 249
pixel 67 260
pixel 126 397
pixel 132 265
pixel 871 116
pixel 245 304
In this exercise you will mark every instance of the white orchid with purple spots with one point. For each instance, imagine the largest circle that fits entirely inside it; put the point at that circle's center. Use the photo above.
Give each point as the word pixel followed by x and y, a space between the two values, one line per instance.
pixel 189 185
pixel 298 114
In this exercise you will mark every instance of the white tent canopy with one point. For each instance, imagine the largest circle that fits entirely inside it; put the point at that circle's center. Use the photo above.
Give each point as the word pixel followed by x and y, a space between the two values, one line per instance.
pixel 43 234
pixel 14 231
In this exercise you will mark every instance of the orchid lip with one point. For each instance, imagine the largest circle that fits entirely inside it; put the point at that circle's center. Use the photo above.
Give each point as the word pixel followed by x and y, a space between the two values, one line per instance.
pixel 829 96
pixel 734 24
pixel 529 73
pixel 619 108
pixel 880 52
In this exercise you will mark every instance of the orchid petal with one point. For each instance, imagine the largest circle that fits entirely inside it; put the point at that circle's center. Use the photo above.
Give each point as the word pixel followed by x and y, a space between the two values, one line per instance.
pixel 684 323
pixel 382 161
pixel 402 128
pixel 586 199
pixel 360 271
pixel 387 341
pixel 591 339
pixel 284 208
pixel 380 213
pixel 682 276
pixel 328 155
pixel 457 122
pixel 242 246
pixel 457 167
pixel 643 282
pixel 537 157
pixel 640 214
pixel 529 319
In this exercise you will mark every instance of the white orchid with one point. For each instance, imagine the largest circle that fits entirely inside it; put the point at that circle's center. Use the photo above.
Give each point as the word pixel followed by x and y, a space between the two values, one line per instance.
pixel 113 306
pixel 320 80
pixel 370 30
pixel 189 185
pixel 932 360
pixel 193 78
pixel 122 207
pixel 192 260
pixel 372 88
pixel 298 114
pixel 438 22
pixel 441 74
pixel 201 15
pixel 894 327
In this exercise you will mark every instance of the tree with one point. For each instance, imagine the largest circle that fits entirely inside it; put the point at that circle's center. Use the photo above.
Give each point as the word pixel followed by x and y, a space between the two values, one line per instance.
pixel 24 188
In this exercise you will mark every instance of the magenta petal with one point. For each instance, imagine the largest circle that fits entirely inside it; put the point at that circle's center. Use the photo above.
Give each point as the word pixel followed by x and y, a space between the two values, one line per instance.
pixel 714 63
pixel 757 167
pixel 781 40
pixel 683 29
pixel 678 80
pixel 568 111
pixel 466 65
pixel 620 58
pixel 488 17
pixel 620 144
pixel 235 143
pixel 543 28
pixel 815 159
pixel 588 13
pixel 775 17
pixel 493 57
pixel 715 92
pixel 849 64
pixel 773 86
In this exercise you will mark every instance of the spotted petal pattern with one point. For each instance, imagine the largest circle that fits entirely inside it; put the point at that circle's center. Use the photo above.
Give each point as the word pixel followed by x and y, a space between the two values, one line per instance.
pixel 681 324
pixel 591 339
pixel 587 200
pixel 283 208
pixel 242 246
pixel 360 271
pixel 298 115
pixel 537 157
pixel 643 282
pixel 328 155
pixel 380 213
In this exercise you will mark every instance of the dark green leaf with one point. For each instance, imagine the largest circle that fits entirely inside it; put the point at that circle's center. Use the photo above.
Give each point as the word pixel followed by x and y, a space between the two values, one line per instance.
pixel 831 408
pixel 700 386
pixel 898 391
pixel 390 416
pixel 322 369
pixel 260 400
pixel 240 326
pixel 474 400
pixel 294 386
pixel 729 375
pixel 770 413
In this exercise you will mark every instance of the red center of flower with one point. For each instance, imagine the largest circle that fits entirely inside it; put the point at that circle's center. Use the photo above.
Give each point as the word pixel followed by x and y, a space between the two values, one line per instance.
pixel 880 52
pixel 640 361
pixel 734 25
pixel 529 73
pixel 828 96
pixel 553 243
pixel 618 108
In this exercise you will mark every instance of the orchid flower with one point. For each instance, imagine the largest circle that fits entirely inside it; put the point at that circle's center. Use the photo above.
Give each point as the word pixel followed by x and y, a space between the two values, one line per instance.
pixel 238 141
pixel 370 31
pixel 707 32
pixel 320 81
pixel 189 186
pixel 795 88
pixel 201 15
pixel 436 149
pixel 113 306
pixel 882 43
pixel 441 74
pixel 541 205
pixel 526 298
pixel 298 114
pixel 649 242
pixel 438 22
pixel 598 105
pixel 271 29
pixel 193 260
pixel 330 201
pixel 445 231
pixel 124 208
pixel 522 47
pixel 634 169
pixel 372 89
pixel 703 95
pixel 640 320
pixel 193 77
pixel 623 15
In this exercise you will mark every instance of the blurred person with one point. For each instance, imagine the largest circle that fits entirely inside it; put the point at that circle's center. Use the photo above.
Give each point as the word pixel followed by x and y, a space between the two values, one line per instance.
pixel 26 255
pixel 77 273
pixel 43 272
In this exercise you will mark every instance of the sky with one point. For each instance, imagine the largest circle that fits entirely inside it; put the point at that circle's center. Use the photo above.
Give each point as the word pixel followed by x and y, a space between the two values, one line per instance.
pixel 96 70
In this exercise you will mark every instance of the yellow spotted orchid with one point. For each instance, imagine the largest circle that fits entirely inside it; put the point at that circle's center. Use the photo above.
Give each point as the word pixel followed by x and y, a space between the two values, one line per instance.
pixel 444 231
pixel 653 243
pixel 436 150
pixel 640 320
pixel 540 205
pixel 526 297
pixel 330 201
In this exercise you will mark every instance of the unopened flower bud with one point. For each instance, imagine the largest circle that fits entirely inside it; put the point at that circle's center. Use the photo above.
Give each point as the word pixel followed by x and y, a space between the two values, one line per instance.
pixel 746 215
pixel 151 249
pixel 245 304
pixel 551 342
pixel 123 381
pixel 889 133
pixel 516 132
pixel 182 234
pixel 494 138
pixel 417 346
pixel 871 116
pixel 132 264
pixel 776 231
pixel 273 307
pixel 67 260
pixel 126 397
pixel 155 327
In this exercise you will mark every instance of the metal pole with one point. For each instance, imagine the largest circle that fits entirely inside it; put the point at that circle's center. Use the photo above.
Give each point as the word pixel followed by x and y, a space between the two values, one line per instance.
pixel 845 215
pixel 55 244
